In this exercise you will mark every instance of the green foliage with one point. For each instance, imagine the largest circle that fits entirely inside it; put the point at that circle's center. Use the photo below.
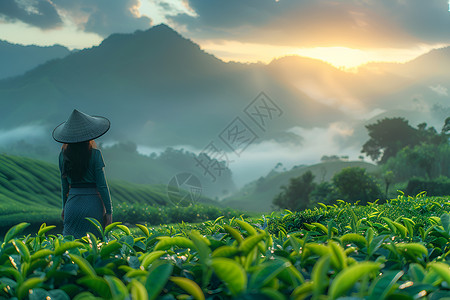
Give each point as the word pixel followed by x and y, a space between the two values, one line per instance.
pixel 437 187
pixel 325 192
pixel 355 184
pixel 390 135
pixel 424 160
pixel 296 195
pixel 397 250
pixel 259 195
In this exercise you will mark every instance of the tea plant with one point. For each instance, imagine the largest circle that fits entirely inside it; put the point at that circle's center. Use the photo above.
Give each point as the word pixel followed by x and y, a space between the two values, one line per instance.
pixel 346 255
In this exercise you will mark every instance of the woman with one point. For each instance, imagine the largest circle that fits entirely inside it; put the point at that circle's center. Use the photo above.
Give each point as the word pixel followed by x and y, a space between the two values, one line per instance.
pixel 84 189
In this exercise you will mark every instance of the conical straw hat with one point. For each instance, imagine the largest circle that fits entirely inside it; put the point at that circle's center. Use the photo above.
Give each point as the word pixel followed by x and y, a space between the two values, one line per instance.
pixel 80 127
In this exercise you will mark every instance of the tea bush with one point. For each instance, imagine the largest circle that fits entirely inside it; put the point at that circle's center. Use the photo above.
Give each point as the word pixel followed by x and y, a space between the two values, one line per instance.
pixel 363 252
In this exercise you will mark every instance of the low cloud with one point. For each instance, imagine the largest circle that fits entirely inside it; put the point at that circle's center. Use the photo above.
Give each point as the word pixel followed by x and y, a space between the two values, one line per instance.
pixel 258 159
pixel 23 133
pixel 104 17
pixel 439 89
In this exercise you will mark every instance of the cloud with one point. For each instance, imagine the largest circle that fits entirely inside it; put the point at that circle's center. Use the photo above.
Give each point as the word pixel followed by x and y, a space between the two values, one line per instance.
pixel 27 133
pixel 104 17
pixel 258 159
pixel 305 23
pixel 439 89
pixel 41 14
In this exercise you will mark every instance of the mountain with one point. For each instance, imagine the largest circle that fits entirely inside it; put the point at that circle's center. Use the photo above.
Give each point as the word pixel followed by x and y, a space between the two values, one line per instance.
pixel 416 85
pixel 258 195
pixel 157 88
pixel 17 59
pixel 160 89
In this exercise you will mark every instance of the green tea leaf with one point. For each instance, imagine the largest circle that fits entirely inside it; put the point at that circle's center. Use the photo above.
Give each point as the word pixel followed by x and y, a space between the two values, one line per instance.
pixel 10 271
pixel 14 231
pixel 27 285
pixel 60 249
pixel 225 251
pixel 321 227
pixel 247 227
pixel 138 290
pixel 234 233
pixel 86 296
pixel 445 221
pixel 414 249
pixel 179 241
pixel 442 269
pixel 41 253
pixel 44 229
pixel 249 243
pixel 124 229
pixel 354 238
pixel 416 272
pixel 318 249
pixel 382 285
pixel 107 249
pixel 83 264
pixel 151 257
pixel 144 229
pixel 319 274
pixel 157 279
pixel 349 276
pixel 96 284
pixel 97 225
pixel 338 257
pixel 302 291
pixel 400 228
pixel 22 250
pixel 118 290
pixel 111 227
pixel 189 286
pixel 231 273
pixel 266 272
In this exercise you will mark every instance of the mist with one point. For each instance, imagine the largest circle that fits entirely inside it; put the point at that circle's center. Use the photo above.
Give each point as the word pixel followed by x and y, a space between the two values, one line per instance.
pixel 28 133
pixel 260 158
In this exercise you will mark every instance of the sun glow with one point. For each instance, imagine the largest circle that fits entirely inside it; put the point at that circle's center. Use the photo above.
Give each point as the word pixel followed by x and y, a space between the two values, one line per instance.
pixel 340 57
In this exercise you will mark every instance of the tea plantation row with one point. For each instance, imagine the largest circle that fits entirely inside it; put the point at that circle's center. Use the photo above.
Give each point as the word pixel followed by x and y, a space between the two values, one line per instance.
pixel 349 252
pixel 30 192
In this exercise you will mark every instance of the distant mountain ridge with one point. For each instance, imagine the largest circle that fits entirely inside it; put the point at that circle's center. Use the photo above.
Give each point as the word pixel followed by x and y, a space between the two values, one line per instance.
pixel 17 59
pixel 161 89
pixel 156 86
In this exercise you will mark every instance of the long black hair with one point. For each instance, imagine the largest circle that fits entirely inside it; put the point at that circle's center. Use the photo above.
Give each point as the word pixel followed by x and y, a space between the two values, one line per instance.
pixel 76 159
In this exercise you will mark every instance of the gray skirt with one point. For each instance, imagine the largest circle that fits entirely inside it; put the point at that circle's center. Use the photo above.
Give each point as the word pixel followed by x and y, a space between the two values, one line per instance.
pixel 82 203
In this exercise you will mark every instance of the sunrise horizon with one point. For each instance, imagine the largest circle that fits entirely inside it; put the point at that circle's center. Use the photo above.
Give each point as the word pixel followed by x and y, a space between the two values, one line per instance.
pixel 341 57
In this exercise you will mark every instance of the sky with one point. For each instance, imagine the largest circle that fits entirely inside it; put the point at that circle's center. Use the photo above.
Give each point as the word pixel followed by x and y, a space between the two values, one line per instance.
pixel 345 33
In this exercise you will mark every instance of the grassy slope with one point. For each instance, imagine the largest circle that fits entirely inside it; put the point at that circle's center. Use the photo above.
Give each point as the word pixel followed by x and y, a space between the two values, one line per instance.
pixel 30 191
pixel 258 195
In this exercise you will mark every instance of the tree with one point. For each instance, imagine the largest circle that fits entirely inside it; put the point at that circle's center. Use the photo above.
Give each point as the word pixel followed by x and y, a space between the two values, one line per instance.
pixel 446 127
pixel 353 183
pixel 423 160
pixel 387 137
pixel 430 135
pixel 325 192
pixel 296 195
